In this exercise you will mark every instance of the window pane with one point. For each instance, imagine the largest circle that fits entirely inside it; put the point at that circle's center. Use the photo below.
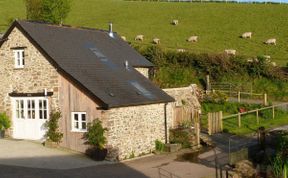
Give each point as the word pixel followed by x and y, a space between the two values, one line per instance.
pixel 76 125
pixel 45 114
pixel 44 104
pixel 76 117
pixel 83 117
pixel 84 125
pixel 40 104
pixel 40 114
pixel 23 63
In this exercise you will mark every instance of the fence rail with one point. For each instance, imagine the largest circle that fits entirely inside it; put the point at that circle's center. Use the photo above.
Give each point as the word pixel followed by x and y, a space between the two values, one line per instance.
pixel 238 115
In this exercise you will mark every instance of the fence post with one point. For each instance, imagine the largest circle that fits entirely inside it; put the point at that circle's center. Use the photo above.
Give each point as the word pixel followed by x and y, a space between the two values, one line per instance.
pixel 239 119
pixel 209 124
pixel 257 116
pixel 273 112
pixel 221 120
pixel 265 99
pixel 207 83
pixel 239 96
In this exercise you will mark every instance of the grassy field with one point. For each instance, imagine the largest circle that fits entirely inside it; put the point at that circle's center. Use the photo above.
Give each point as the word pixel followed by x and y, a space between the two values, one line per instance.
pixel 218 25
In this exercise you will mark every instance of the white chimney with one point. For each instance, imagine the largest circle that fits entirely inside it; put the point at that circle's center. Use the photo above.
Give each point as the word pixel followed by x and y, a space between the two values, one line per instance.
pixel 111 34
pixel 45 92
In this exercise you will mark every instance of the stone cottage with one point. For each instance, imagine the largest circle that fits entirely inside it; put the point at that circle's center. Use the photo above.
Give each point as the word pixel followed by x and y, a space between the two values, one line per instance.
pixel 86 74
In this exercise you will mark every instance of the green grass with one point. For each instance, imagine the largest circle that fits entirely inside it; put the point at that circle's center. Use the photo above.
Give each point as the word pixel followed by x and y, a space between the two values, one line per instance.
pixel 218 25
pixel 249 123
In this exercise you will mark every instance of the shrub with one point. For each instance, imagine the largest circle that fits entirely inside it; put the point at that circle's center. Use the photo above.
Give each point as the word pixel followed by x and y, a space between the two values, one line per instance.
pixel 181 136
pixel 5 122
pixel 95 134
pixel 159 146
pixel 53 134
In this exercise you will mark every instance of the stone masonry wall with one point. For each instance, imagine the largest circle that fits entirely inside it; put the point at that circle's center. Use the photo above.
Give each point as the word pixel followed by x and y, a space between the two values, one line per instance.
pixel 36 75
pixel 184 95
pixel 133 130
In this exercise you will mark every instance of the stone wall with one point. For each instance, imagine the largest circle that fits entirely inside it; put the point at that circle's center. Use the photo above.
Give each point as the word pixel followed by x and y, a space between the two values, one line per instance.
pixel 143 71
pixel 36 75
pixel 186 97
pixel 133 130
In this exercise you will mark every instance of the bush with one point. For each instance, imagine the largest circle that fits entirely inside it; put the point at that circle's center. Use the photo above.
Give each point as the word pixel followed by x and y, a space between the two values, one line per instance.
pixel 159 146
pixel 53 134
pixel 5 122
pixel 181 136
pixel 95 134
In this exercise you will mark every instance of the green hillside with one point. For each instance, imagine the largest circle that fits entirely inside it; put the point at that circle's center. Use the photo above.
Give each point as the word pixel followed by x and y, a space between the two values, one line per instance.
pixel 218 25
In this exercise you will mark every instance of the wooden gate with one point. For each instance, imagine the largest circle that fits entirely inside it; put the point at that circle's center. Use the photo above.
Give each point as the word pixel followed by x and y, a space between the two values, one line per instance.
pixel 215 123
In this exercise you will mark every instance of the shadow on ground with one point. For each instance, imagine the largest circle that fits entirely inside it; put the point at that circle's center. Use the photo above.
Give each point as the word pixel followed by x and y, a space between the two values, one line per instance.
pixel 118 170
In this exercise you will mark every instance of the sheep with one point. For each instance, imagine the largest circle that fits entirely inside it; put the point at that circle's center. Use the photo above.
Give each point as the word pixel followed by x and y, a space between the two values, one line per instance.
pixel 139 38
pixel 181 50
pixel 230 52
pixel 123 38
pixel 192 39
pixel 174 22
pixel 156 41
pixel 250 60
pixel 266 57
pixel 273 64
pixel 271 41
pixel 247 35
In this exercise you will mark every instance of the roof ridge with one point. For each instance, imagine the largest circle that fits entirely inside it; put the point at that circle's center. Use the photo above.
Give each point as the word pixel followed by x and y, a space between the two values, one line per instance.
pixel 64 25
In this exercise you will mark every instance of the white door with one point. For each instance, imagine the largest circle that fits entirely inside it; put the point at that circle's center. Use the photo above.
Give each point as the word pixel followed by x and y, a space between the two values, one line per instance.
pixel 29 117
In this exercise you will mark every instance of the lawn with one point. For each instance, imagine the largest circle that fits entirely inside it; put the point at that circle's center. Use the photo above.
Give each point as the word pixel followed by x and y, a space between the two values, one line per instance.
pixel 218 25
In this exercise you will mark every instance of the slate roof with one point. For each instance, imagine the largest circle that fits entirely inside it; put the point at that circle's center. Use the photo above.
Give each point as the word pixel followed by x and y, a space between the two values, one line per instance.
pixel 95 61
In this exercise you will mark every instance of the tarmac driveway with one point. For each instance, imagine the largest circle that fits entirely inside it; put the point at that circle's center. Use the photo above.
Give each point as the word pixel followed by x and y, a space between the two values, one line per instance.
pixel 25 159
pixel 35 155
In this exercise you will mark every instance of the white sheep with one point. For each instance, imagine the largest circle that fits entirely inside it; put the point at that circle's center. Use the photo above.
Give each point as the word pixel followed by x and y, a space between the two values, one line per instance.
pixel 175 22
pixel 139 38
pixel 247 35
pixel 156 41
pixel 271 41
pixel 181 50
pixel 230 52
pixel 123 38
pixel 266 57
pixel 273 64
pixel 192 39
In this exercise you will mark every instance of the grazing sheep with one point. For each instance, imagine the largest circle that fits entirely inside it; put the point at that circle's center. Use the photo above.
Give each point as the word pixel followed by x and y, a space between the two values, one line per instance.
pixel 250 60
pixel 230 52
pixel 273 64
pixel 266 57
pixel 123 38
pixel 156 41
pixel 247 35
pixel 175 22
pixel 192 39
pixel 271 41
pixel 181 50
pixel 139 38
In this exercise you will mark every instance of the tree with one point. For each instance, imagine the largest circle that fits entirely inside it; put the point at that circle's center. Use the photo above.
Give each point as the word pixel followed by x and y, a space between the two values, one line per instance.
pixel 53 11
pixel 33 9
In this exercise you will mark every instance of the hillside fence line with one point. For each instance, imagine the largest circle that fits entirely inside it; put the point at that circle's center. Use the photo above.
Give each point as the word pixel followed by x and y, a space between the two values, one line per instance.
pixel 215 120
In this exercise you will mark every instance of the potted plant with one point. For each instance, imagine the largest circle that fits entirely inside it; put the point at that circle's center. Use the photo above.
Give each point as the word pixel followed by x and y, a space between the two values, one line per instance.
pixel 96 139
pixel 53 135
pixel 5 123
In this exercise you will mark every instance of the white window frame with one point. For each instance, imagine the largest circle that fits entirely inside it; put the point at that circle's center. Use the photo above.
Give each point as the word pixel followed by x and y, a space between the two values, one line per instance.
pixel 19 57
pixel 25 108
pixel 80 122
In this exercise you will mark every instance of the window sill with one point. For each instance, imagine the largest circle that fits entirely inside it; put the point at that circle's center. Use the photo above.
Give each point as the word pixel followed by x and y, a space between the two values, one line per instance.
pixel 79 131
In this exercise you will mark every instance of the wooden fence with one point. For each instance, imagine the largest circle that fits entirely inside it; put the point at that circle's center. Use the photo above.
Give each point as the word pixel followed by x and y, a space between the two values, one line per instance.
pixel 256 111
pixel 215 120
pixel 184 114
pixel 215 124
